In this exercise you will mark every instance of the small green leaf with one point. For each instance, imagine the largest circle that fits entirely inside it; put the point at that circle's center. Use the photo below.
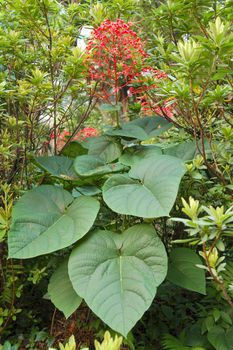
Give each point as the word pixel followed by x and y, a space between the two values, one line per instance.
pixel 87 190
pixel 133 154
pixel 182 270
pixel 105 148
pixel 61 291
pixel 89 165
pixel 153 126
pixel 129 132
pixel 58 166
pixel 185 151
pixel 74 149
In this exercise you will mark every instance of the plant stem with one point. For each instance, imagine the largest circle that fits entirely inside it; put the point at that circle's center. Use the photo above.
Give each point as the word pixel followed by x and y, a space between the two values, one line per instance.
pixel 90 106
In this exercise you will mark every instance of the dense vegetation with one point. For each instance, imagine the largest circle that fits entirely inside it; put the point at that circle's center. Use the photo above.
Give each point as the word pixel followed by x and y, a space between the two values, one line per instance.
pixel 116 162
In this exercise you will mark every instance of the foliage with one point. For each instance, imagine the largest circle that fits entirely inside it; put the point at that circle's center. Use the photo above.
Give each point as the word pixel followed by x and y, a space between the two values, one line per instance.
pixel 172 343
pixel 196 56
pixel 99 148
pixel 7 346
pixel 70 219
pixel 209 230
pixel 70 345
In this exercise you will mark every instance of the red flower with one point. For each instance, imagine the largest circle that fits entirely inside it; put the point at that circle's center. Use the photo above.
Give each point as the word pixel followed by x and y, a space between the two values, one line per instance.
pixel 64 135
pixel 144 89
pixel 114 55
pixel 86 132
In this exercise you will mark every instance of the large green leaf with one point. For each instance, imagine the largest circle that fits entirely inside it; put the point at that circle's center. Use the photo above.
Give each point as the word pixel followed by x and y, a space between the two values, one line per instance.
pixel 133 154
pixel 89 165
pixel 220 338
pixel 185 150
pixel 150 189
pixel 74 149
pixel 105 148
pixel 153 126
pixel 129 131
pixel 61 291
pixel 58 166
pixel 47 219
pixel 118 274
pixel 142 129
pixel 183 271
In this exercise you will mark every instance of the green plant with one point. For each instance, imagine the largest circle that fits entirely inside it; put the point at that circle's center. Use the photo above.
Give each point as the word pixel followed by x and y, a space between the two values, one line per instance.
pixel 107 344
pixel 10 273
pixel 70 345
pixel 8 346
pixel 196 56
pixel 97 210
pixel 209 230
pixel 171 343
pixel 6 200
pixel 58 220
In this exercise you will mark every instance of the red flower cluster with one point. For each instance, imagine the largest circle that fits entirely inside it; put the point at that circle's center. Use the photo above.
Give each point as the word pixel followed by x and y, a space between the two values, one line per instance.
pixel 115 59
pixel 65 134
pixel 85 133
pixel 145 83
pixel 114 55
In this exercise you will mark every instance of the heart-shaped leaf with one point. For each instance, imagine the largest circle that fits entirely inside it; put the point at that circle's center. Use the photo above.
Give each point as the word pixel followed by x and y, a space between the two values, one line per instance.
pixel 183 271
pixel 150 189
pixel 58 166
pixel 88 165
pixel 133 154
pixel 142 129
pixel 46 219
pixel 105 148
pixel 119 280
pixel 61 291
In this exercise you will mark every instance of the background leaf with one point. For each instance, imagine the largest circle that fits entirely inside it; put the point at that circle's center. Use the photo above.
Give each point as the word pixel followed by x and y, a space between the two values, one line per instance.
pixel 129 131
pixel 105 148
pixel 86 190
pixel 142 128
pixel 133 154
pixel 89 165
pixel 182 270
pixel 74 149
pixel 184 150
pixel 58 166
pixel 221 339
pixel 153 126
